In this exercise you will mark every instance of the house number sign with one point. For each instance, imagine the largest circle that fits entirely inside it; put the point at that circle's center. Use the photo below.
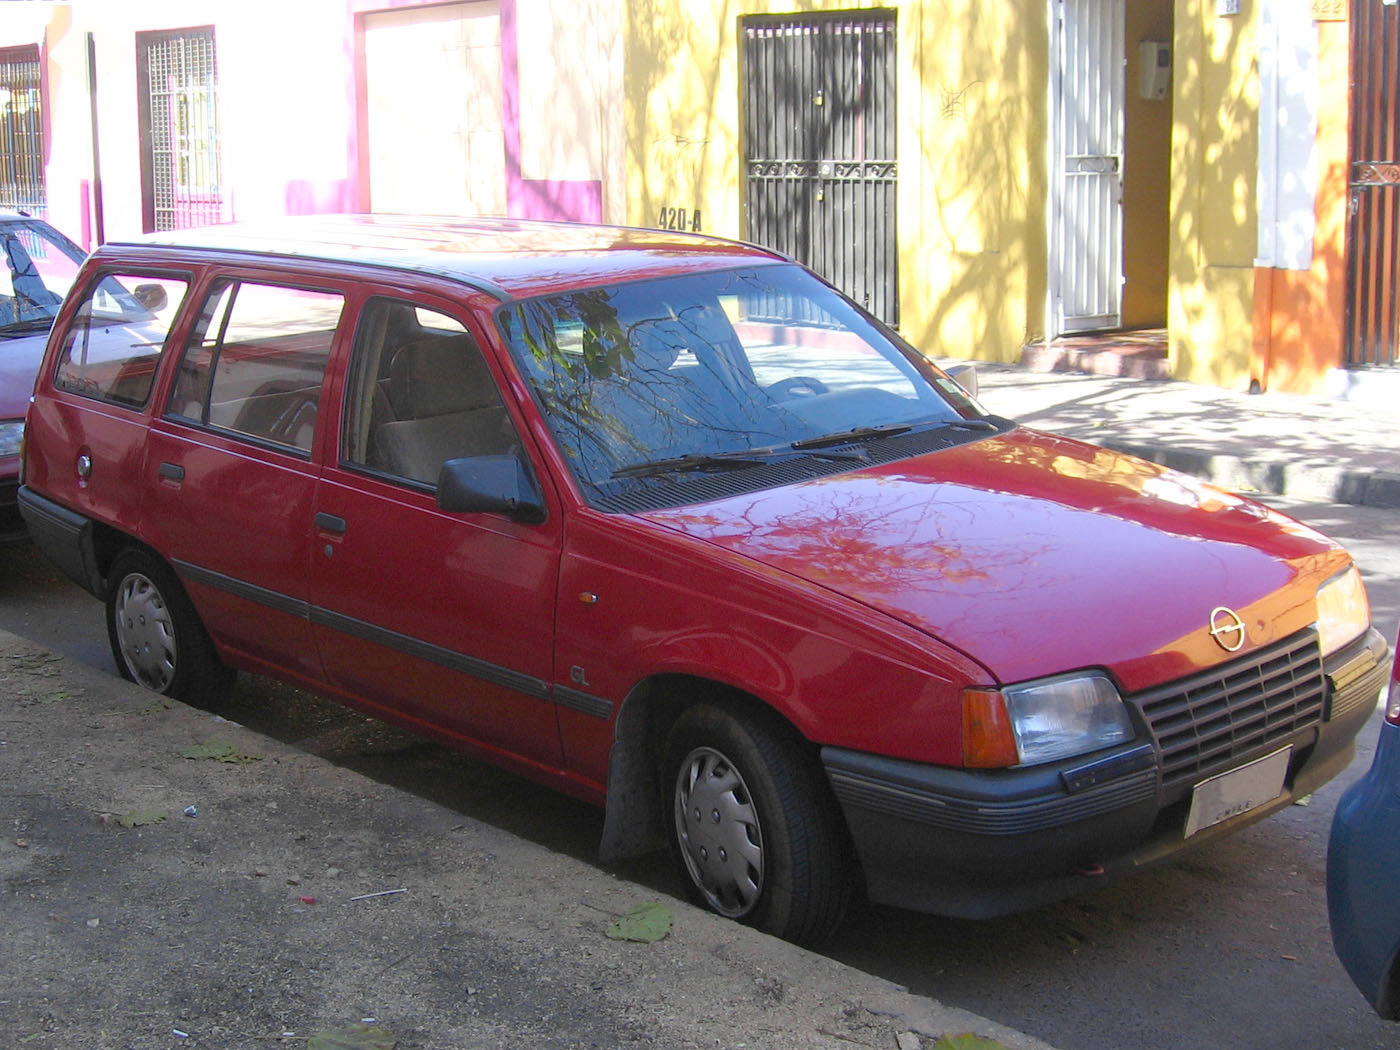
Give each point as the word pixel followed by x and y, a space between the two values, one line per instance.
pixel 679 219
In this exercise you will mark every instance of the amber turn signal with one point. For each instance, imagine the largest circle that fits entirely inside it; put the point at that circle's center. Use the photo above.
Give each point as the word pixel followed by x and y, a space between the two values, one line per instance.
pixel 988 742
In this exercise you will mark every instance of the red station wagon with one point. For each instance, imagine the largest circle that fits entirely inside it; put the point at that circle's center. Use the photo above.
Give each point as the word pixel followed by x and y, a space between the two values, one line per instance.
pixel 667 523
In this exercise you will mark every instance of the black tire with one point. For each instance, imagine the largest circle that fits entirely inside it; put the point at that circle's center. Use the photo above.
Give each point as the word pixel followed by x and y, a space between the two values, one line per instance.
pixel 156 636
pixel 752 825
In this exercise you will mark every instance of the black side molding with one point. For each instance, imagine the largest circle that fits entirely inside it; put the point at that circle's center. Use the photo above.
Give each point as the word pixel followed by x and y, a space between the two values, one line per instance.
pixel 65 536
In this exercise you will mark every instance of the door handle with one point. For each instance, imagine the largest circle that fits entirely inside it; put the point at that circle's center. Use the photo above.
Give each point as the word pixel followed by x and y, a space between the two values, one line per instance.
pixel 172 472
pixel 331 523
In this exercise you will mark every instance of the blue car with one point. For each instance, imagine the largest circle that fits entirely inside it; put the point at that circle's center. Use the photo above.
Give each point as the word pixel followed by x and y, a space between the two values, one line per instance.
pixel 1363 858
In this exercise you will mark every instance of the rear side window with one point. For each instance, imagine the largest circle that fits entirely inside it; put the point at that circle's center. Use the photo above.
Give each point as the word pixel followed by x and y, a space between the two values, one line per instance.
pixel 113 346
pixel 255 362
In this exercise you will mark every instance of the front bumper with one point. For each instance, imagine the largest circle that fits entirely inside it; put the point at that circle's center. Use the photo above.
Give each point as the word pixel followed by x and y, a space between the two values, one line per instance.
pixel 979 843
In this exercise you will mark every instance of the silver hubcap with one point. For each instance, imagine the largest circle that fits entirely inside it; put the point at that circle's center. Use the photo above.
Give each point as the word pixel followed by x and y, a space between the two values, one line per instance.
pixel 720 839
pixel 145 633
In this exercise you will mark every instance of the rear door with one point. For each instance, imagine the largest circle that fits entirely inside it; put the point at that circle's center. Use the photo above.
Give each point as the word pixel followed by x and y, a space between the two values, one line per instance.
pixel 445 619
pixel 230 471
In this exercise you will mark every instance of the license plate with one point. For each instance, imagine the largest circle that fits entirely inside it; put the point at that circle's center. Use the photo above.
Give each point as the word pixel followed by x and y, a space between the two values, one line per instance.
pixel 1238 791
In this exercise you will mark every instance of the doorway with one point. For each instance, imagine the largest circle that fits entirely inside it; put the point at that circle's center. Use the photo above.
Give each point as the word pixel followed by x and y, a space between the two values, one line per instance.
pixel 1111 91
pixel 434 114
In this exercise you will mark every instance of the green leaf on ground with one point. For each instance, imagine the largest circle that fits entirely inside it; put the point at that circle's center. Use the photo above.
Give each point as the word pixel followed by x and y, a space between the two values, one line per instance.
pixel 967 1041
pixel 219 750
pixel 644 924
pixel 140 818
pixel 355 1037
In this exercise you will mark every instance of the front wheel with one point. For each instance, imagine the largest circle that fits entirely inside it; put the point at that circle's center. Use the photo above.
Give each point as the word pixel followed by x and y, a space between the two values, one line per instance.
pixel 156 636
pixel 752 825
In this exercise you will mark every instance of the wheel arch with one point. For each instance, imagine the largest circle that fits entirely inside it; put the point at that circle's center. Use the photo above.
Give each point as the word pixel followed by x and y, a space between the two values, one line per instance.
pixel 633 822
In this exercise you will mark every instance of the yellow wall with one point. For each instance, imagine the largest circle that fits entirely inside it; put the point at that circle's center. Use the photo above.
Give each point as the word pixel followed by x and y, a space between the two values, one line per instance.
pixel 971 89
pixel 973 176
pixel 1146 175
pixel 1213 222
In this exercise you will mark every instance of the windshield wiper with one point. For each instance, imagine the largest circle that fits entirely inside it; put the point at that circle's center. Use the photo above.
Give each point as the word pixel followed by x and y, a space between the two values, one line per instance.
pixel 36 324
pixel 884 430
pixel 703 461
pixel 847 437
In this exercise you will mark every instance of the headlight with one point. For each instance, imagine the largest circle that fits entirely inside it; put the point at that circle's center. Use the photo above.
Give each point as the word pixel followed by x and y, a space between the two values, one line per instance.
pixel 1041 721
pixel 1343 613
pixel 11 433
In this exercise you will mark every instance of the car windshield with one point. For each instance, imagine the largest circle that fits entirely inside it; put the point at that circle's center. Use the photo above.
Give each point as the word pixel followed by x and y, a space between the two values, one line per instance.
pixel 719 372
pixel 39 267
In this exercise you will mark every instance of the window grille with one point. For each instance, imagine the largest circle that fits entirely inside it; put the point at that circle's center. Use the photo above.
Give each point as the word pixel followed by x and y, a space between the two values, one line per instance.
pixel 181 179
pixel 21 132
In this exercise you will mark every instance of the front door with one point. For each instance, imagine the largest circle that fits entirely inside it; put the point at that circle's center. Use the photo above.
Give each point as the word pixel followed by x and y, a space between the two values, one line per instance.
pixel 1086 265
pixel 445 619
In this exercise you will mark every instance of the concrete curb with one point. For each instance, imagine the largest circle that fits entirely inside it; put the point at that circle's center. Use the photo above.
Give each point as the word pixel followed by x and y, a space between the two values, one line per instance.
pixel 1298 479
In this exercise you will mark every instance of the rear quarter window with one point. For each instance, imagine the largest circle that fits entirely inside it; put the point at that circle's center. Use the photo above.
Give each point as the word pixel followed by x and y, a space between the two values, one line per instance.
pixel 114 344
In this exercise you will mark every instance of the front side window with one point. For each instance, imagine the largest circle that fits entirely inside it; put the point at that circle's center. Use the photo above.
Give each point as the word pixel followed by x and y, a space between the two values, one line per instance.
pixel 649 383
pixel 255 362
pixel 419 394
pixel 111 349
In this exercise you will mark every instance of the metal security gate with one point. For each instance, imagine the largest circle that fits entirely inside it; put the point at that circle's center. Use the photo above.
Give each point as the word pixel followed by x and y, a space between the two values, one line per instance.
pixel 21 131
pixel 1086 265
pixel 1373 226
pixel 819 147
pixel 180 178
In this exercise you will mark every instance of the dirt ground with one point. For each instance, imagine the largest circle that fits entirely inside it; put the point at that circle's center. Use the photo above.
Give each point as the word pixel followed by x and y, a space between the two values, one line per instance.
pixel 171 878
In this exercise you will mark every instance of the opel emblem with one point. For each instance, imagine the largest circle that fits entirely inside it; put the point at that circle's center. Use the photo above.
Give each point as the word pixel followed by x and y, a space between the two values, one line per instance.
pixel 1227 629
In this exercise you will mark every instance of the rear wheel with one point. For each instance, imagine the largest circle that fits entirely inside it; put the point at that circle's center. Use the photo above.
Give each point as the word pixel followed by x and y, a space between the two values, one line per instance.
pixel 157 638
pixel 752 825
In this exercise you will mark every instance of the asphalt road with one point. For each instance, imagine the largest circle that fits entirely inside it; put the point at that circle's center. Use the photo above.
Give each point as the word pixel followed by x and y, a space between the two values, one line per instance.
pixel 1227 947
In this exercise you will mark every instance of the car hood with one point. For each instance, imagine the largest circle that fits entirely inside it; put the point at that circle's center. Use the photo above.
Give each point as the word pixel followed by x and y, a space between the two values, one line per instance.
pixel 19 364
pixel 1035 554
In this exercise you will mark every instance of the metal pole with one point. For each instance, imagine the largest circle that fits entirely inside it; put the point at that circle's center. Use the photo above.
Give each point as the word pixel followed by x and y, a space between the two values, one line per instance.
pixel 96 152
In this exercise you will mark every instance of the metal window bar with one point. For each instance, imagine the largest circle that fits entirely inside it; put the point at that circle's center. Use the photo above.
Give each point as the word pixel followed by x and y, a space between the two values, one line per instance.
pixel 819 134
pixel 181 85
pixel 22 185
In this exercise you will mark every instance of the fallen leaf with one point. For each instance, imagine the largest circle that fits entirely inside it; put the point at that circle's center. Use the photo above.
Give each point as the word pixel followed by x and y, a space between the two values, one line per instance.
pixel 967 1041
pixel 220 750
pixel 645 924
pixel 355 1037
pixel 141 818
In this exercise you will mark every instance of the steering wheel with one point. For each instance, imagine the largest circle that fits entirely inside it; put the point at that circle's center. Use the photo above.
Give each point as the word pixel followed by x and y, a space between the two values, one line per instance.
pixel 797 386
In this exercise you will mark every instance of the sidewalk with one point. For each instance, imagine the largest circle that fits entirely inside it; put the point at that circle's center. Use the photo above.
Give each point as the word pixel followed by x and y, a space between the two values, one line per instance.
pixel 174 880
pixel 1306 448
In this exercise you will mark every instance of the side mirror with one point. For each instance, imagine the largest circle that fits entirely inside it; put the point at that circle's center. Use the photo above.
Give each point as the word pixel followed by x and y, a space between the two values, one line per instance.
pixel 966 377
pixel 151 296
pixel 490 485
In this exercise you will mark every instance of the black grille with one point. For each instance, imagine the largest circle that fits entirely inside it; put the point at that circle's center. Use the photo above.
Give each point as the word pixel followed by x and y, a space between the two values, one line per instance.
pixel 1209 721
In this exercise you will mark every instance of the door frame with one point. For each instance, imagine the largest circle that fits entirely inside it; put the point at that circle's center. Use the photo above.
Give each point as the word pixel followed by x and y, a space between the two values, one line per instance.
pixel 1060 232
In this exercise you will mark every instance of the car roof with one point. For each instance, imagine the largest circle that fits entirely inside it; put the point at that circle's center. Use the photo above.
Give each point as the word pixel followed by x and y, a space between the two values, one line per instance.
pixel 508 258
